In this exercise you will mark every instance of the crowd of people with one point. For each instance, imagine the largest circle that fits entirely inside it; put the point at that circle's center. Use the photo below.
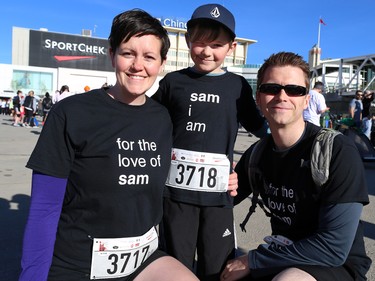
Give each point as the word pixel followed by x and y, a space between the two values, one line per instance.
pixel 24 109
pixel 130 187
pixel 360 112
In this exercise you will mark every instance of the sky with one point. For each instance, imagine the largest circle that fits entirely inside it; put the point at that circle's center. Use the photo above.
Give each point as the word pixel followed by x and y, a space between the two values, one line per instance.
pixel 276 25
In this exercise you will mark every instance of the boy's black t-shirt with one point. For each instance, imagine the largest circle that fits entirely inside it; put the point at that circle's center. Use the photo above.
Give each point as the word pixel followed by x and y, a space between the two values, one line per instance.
pixel 206 111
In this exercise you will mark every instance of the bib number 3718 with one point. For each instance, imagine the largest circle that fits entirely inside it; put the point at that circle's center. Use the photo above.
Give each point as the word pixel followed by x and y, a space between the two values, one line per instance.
pixel 199 171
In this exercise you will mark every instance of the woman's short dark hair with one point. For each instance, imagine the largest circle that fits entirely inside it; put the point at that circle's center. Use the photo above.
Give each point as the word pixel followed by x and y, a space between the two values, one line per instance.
pixel 137 23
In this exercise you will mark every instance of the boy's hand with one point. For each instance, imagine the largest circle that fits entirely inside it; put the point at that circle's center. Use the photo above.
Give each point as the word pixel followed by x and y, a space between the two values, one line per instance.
pixel 233 182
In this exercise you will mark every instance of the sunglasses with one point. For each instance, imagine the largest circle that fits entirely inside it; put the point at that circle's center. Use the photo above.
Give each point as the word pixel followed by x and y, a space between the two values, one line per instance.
pixel 290 90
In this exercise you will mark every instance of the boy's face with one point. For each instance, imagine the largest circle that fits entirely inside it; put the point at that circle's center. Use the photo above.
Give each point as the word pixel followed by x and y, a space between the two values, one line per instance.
pixel 208 56
pixel 282 110
pixel 137 64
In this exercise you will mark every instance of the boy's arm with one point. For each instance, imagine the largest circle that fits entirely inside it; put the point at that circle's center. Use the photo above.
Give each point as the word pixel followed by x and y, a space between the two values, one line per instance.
pixel 244 189
pixel 248 113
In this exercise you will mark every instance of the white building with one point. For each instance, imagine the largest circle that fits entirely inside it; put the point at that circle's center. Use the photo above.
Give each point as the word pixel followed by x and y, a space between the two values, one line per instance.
pixel 43 61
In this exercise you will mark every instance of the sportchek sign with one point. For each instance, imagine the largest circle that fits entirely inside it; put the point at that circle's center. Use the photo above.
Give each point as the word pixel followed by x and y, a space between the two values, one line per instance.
pixel 54 50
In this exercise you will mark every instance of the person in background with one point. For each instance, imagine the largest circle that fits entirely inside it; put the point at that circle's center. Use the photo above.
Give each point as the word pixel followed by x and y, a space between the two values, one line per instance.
pixel 321 235
pixel 64 93
pixel 368 98
pixel 372 135
pixel 55 96
pixel 8 106
pixel 30 107
pixel 3 103
pixel 17 109
pixel 46 106
pixel 105 85
pixel 317 105
pixel 98 178
pixel 206 104
pixel 22 110
pixel 355 108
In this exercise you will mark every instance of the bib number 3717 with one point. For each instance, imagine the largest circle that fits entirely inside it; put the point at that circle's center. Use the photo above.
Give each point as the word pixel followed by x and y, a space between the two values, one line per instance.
pixel 119 257
pixel 198 171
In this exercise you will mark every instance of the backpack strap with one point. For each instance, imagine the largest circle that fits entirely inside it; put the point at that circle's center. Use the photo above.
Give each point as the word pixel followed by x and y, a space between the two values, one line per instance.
pixel 252 166
pixel 321 154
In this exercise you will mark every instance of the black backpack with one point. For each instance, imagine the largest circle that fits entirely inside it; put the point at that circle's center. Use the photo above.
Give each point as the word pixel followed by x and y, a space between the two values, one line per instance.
pixel 321 153
pixel 47 103
pixel 16 101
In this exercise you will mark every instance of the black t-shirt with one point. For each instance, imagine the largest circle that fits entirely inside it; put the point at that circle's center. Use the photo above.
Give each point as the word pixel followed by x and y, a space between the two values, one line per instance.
pixel 28 102
pixel 289 193
pixel 16 101
pixel 366 106
pixel 205 112
pixel 116 159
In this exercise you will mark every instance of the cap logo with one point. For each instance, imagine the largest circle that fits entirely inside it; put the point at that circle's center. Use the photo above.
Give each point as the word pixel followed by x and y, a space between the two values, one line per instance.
pixel 215 13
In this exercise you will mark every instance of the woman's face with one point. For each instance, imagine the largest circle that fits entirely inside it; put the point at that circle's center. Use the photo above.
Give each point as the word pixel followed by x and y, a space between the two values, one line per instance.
pixel 137 64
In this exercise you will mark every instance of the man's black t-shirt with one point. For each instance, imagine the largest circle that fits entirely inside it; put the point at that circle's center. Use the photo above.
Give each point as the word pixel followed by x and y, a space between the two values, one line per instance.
pixel 289 193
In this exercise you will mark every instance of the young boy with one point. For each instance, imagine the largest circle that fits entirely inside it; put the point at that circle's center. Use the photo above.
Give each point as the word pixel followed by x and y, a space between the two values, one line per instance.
pixel 206 104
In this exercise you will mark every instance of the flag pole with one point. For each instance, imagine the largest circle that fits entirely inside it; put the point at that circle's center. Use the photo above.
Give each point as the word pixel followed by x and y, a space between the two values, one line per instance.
pixel 319 24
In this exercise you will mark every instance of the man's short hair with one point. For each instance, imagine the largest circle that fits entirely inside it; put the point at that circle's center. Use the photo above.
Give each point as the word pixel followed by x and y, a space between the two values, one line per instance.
pixel 319 85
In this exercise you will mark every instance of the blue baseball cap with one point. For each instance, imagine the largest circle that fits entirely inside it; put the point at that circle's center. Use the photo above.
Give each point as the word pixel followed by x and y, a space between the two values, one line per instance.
pixel 217 13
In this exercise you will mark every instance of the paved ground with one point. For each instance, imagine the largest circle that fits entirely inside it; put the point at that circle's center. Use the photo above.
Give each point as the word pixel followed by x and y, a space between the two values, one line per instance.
pixel 16 145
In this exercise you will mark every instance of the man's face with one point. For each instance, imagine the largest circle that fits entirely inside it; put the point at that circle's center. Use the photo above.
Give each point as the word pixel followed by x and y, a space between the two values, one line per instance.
pixel 282 109
pixel 359 95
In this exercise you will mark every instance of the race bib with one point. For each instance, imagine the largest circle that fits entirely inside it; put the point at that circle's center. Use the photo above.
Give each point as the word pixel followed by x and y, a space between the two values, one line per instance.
pixel 119 257
pixel 199 171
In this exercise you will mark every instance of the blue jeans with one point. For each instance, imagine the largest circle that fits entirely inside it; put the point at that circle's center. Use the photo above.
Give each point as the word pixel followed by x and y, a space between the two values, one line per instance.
pixel 366 126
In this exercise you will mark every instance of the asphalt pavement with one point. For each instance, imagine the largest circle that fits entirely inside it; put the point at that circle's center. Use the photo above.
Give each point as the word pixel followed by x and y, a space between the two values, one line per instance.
pixel 16 145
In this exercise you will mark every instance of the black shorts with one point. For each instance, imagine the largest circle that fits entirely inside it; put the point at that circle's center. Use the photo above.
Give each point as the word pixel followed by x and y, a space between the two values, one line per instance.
pixel 206 233
pixel 320 273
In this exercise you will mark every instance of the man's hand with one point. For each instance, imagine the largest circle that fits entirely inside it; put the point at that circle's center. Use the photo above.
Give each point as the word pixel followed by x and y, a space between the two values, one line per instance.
pixel 235 269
